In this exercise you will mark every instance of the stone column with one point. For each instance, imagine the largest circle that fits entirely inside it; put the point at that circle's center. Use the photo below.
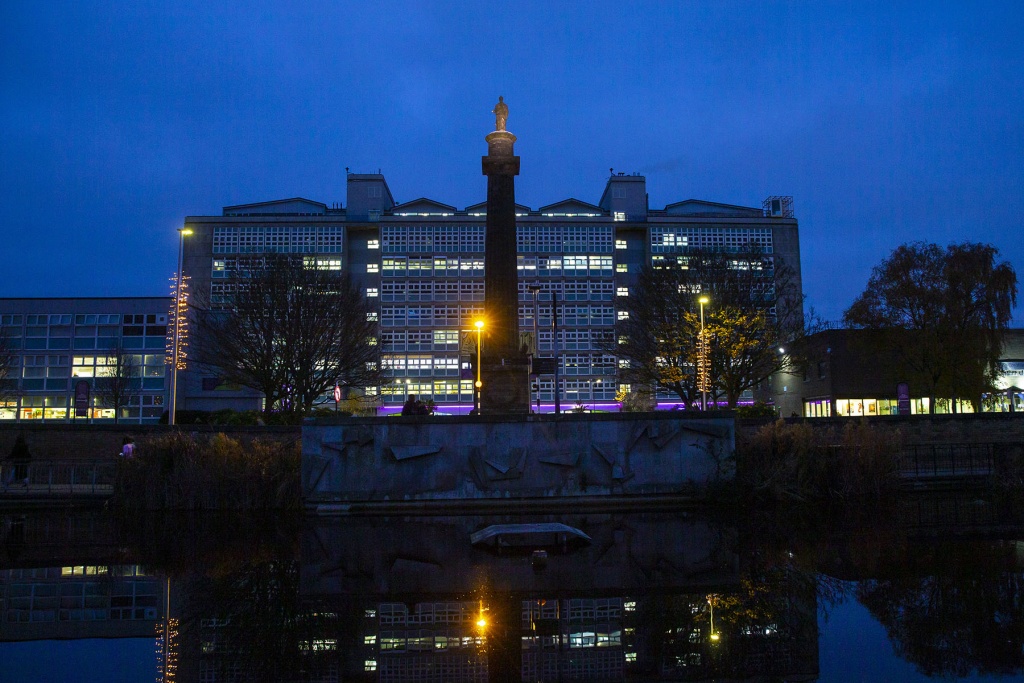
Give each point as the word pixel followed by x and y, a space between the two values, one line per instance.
pixel 505 368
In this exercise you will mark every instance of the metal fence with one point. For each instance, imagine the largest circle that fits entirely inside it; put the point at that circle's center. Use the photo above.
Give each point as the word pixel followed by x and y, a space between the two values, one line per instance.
pixel 58 478
pixel 940 461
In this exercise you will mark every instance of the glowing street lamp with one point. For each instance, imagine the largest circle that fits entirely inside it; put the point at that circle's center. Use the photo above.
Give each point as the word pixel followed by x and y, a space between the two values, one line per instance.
pixel 479 385
pixel 178 312
pixel 703 369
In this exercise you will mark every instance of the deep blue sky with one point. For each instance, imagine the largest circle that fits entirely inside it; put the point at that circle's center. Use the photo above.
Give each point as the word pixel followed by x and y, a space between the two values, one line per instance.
pixel 887 124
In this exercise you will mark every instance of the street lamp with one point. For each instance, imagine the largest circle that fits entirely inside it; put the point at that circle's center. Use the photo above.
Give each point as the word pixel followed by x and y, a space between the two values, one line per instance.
pixel 703 371
pixel 176 354
pixel 535 290
pixel 479 385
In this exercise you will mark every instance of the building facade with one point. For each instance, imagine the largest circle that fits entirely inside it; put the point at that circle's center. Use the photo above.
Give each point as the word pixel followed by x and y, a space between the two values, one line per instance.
pixel 422 262
pixel 57 343
pixel 843 377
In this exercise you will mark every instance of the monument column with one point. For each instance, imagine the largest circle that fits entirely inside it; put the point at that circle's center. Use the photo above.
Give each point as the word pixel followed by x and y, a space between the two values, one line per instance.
pixel 505 368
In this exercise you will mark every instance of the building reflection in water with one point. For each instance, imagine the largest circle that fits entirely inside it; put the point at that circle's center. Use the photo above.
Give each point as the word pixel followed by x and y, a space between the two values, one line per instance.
pixel 653 597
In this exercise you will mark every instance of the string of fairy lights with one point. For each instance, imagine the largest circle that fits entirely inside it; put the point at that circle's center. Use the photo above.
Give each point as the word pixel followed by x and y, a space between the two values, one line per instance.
pixel 177 319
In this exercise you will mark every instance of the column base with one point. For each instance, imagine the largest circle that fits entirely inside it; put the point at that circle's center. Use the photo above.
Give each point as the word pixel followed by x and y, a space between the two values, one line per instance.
pixel 506 388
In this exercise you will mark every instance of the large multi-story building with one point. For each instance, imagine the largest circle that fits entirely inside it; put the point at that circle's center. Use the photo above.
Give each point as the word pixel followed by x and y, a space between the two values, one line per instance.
pixel 423 262
pixel 57 343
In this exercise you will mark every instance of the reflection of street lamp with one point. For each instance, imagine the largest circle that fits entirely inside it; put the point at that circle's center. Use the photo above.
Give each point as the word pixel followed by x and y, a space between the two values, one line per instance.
pixel 182 234
pixel 714 635
pixel 703 371
pixel 479 385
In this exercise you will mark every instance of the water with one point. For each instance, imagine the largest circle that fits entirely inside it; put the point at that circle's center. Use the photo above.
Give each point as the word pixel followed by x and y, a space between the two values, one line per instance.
pixel 652 597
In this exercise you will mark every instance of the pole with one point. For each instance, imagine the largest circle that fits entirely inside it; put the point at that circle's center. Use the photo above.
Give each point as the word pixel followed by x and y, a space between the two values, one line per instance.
pixel 177 331
pixel 536 341
pixel 554 340
pixel 479 384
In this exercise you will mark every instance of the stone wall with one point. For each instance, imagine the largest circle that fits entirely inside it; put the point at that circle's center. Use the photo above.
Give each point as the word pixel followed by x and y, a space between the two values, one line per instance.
pixel 466 458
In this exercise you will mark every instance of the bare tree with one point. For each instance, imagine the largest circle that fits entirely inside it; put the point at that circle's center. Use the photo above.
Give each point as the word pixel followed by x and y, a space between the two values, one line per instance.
pixel 754 307
pixel 8 380
pixel 121 382
pixel 292 332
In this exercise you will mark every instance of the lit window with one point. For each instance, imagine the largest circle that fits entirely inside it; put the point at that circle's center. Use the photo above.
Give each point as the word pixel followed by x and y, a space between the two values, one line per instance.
pixel 622 291
pixel 371 341
pixel 372 317
pixel 620 216
pixel 372 267
pixel 623 315
pixel 630 656
pixel 370 665
pixel 371 292
pixel 621 267
pixel 623 339
pixel 620 244
pixel 373 244
pixel 629 606
pixel 369 640
pixel 624 363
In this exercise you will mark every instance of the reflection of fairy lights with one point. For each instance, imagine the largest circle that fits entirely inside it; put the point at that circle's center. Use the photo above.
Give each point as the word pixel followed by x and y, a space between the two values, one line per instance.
pixel 166 650
pixel 714 634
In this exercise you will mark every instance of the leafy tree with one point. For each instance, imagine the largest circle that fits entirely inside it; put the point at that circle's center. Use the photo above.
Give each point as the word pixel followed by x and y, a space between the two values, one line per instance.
pixel 942 312
pixel 292 331
pixel 755 306
pixel 119 382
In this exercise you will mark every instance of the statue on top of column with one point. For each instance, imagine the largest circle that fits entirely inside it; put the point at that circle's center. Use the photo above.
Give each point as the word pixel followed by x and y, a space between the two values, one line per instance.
pixel 500 114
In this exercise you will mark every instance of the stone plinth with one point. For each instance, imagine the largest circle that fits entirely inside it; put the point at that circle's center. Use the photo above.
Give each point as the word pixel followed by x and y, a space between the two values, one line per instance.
pixel 506 387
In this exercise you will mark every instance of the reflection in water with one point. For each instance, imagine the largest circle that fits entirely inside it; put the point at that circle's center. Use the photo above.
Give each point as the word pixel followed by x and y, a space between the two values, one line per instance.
pixel 652 597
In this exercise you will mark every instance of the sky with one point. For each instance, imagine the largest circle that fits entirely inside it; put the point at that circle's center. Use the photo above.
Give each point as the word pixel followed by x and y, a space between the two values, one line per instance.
pixel 887 122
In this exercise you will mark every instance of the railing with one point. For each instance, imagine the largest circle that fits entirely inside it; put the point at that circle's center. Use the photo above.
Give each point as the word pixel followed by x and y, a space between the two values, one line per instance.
pixel 50 478
pixel 940 461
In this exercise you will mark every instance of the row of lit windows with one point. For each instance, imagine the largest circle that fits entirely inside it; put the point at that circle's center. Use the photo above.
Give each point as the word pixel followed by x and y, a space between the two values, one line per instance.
pixel 567 239
pixel 279 239
pixel 448 340
pixel 433 290
pixel 424 365
pixel 432 239
pixel 459 391
pixel 422 316
pixel 558 266
pixel 240 267
pixel 869 407
pixel 436 266
pixel 567 290
pixel 666 239
pixel 453 316
pixel 60 407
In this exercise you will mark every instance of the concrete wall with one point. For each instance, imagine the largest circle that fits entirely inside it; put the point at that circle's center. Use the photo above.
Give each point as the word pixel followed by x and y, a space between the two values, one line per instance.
pixel 372 459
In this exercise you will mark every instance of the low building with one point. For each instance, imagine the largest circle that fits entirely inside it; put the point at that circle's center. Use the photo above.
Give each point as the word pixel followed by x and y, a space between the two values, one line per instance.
pixel 57 343
pixel 841 375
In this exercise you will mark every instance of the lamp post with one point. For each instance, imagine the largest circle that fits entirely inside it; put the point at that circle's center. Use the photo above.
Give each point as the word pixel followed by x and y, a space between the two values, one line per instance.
pixel 703 371
pixel 479 385
pixel 176 354
pixel 535 290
